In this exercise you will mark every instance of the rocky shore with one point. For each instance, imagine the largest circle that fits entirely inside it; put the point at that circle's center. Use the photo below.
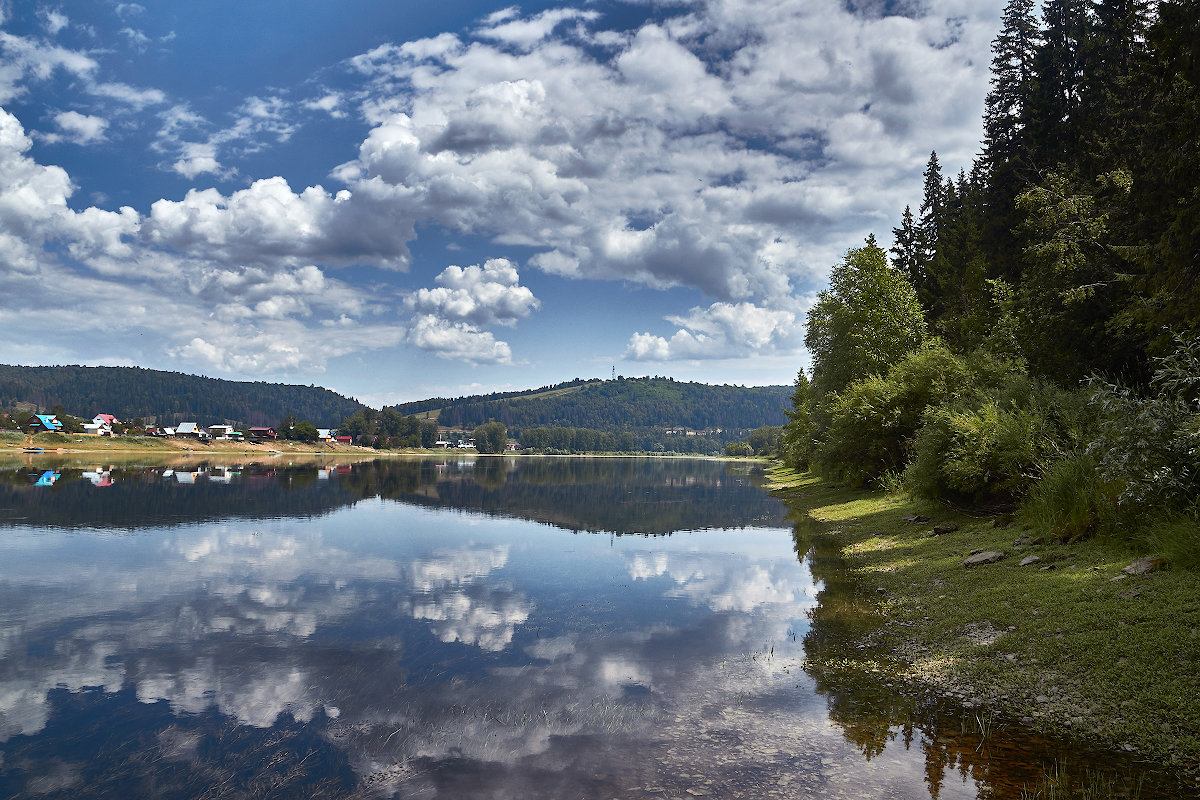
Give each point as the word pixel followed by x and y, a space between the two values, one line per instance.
pixel 1086 640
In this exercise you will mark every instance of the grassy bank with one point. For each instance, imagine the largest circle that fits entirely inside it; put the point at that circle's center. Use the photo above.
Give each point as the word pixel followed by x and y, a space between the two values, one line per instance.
pixel 15 441
pixel 1067 644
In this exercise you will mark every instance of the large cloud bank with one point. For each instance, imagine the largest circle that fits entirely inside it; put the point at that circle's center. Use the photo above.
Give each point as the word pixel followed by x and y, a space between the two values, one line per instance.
pixel 734 147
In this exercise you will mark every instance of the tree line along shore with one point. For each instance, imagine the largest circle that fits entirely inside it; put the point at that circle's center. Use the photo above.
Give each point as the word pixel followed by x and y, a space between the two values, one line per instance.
pixel 1000 428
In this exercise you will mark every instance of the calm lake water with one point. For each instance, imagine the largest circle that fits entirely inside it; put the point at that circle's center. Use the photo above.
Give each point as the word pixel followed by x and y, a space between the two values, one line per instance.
pixel 500 628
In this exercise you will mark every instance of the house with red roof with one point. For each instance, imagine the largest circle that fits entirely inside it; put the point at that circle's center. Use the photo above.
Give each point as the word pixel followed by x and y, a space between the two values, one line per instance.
pixel 101 425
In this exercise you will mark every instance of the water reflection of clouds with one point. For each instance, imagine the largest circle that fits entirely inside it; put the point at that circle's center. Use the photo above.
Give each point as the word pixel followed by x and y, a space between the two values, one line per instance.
pixel 722 582
pixel 449 593
pixel 24 686
pixel 275 585
pixel 486 618
pixel 257 619
pixel 457 566
pixel 231 619
pixel 254 695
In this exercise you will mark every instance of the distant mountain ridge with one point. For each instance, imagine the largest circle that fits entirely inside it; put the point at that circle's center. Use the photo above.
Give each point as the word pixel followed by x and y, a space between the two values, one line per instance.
pixel 615 405
pixel 169 397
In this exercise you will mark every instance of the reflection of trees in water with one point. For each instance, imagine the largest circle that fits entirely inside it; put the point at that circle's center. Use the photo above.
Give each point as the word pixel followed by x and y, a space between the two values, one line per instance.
pixel 148 496
pixel 653 496
pixel 866 702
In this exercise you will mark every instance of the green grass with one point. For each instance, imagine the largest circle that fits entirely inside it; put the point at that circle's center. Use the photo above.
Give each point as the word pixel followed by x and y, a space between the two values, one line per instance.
pixel 1113 662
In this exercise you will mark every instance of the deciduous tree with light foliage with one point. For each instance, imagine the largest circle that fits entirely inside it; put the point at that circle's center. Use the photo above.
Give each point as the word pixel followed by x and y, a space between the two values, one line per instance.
pixel 866 320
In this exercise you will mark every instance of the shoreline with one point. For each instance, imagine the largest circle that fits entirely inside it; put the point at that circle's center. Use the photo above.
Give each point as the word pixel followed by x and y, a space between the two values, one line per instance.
pixel 1068 645
pixel 84 444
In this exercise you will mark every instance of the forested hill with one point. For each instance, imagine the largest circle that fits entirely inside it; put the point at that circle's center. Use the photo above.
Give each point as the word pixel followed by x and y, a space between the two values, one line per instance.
pixel 169 397
pixel 619 404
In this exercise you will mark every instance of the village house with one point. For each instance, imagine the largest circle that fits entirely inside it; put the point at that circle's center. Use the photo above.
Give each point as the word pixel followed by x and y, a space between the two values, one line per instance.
pixel 188 430
pixel 325 434
pixel 44 423
pixel 225 432
pixel 101 425
pixel 260 434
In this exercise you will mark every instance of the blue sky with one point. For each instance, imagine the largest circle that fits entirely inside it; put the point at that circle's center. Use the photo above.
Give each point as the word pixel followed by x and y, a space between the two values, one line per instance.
pixel 405 199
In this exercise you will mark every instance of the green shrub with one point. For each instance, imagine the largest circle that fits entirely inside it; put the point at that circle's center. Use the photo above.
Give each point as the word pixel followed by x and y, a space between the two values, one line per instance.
pixel 1177 538
pixel 1151 444
pixel 863 438
pixel 739 449
pixel 871 424
pixel 1071 499
pixel 986 452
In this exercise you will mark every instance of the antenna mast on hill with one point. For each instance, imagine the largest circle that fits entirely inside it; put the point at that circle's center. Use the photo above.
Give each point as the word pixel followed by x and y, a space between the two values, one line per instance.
pixel 614 372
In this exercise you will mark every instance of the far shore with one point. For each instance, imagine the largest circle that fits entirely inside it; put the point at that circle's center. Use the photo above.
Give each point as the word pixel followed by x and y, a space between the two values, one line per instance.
pixel 13 443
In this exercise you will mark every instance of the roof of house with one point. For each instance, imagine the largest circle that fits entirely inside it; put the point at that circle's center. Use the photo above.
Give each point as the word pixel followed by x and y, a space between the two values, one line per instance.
pixel 49 421
pixel 264 430
pixel 109 418
pixel 186 427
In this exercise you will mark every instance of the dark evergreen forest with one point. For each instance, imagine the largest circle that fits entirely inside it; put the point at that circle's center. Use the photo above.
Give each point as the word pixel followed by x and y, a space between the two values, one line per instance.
pixel 619 405
pixel 168 397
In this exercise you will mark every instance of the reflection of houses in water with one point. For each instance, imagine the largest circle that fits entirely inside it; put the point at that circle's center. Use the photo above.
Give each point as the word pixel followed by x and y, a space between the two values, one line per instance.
pixel 223 474
pixel 98 477
pixel 47 478
pixel 187 478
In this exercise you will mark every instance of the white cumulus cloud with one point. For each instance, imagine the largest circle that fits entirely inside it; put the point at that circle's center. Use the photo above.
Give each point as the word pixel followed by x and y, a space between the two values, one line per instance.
pixel 723 330
pixel 78 128
pixel 480 295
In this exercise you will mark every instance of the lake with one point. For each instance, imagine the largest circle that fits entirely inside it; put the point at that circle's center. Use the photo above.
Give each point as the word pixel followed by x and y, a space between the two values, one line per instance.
pixel 444 628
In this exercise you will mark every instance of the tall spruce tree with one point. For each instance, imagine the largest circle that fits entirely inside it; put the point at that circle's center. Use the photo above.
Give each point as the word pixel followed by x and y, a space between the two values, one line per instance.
pixel 1167 188
pixel 1014 51
pixel 932 205
pixel 1006 141
pixel 962 288
pixel 908 255
pixel 1054 102
pixel 1115 88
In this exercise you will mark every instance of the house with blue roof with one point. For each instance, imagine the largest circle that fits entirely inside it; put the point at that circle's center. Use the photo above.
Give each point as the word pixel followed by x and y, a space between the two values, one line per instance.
pixel 44 423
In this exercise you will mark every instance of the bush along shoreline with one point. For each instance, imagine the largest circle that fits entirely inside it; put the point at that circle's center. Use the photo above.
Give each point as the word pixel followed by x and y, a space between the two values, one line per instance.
pixel 1076 637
